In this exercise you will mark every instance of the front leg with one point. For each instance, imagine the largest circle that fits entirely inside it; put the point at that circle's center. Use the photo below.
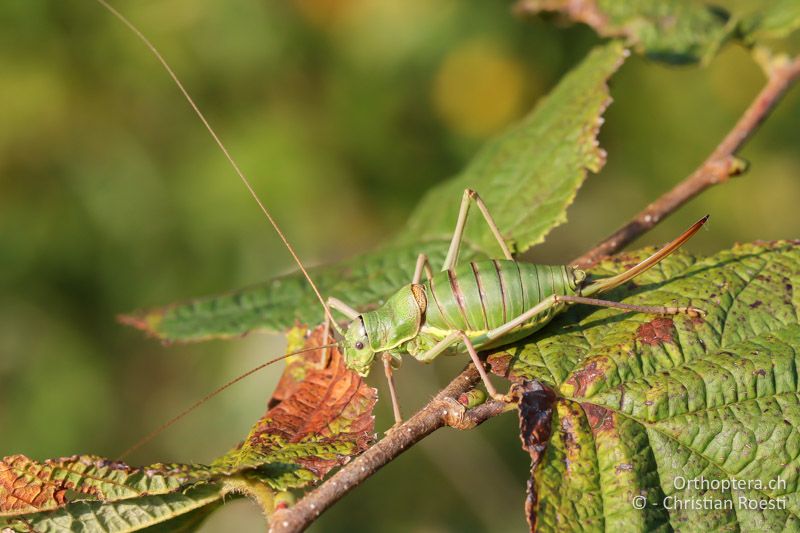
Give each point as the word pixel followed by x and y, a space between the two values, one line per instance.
pixel 387 368
pixel 346 310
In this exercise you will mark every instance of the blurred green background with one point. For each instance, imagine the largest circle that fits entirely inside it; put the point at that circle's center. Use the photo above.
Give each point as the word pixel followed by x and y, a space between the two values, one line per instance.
pixel 342 112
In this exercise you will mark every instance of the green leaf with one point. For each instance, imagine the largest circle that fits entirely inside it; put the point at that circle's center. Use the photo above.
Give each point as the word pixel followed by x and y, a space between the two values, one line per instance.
pixel 282 302
pixel 675 31
pixel 678 31
pixel 646 402
pixel 763 20
pixel 177 512
pixel 194 509
pixel 27 486
pixel 89 493
pixel 529 175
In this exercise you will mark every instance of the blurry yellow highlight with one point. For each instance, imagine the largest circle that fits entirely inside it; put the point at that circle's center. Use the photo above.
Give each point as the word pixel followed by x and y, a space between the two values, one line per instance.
pixel 478 89
pixel 323 13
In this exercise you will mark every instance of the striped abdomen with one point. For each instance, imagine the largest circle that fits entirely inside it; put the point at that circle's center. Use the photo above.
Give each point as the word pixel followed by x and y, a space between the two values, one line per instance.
pixel 476 297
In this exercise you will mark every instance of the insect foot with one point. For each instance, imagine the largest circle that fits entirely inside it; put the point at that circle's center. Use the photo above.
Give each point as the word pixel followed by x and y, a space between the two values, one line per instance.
pixel 505 398
pixel 513 395
pixel 695 312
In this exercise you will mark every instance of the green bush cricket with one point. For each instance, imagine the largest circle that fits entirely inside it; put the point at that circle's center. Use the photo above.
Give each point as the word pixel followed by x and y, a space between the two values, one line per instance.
pixel 478 305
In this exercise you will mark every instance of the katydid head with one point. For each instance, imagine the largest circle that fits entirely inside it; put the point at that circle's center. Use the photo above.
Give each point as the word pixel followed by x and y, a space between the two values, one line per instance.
pixel 358 353
pixel 384 329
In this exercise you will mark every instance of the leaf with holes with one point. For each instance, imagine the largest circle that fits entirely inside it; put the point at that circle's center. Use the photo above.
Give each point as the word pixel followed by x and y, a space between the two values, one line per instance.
pixel 644 403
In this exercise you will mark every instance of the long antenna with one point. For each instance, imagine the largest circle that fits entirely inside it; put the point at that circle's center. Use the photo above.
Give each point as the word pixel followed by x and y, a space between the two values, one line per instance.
pixel 227 154
pixel 153 434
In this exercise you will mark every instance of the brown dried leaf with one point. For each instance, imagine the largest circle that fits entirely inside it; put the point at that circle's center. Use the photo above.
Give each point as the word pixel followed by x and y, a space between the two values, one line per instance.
pixel 316 423
pixel 27 486
pixel 535 427
pixel 298 366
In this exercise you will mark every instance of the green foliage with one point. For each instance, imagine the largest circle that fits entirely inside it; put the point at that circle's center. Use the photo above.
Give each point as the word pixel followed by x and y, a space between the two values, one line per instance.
pixel 322 421
pixel 775 19
pixel 282 302
pixel 679 31
pixel 94 494
pixel 180 511
pixel 528 177
pixel 644 401
pixel 676 31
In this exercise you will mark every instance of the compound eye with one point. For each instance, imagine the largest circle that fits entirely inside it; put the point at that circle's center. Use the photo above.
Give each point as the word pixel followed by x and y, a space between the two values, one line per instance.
pixel 359 345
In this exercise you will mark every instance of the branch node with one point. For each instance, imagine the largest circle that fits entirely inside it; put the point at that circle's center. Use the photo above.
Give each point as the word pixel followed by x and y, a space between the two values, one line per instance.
pixel 738 166
pixel 454 414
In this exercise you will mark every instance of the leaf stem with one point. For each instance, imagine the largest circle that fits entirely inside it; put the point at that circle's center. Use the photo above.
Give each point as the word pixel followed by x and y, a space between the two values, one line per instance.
pixel 253 489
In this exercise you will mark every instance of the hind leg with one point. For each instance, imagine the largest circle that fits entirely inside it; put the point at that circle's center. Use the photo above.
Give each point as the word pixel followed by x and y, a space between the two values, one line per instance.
pixel 458 234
